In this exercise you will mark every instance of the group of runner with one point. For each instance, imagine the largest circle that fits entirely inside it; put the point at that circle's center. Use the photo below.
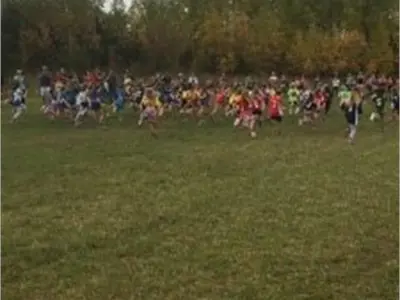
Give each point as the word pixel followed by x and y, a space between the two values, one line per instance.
pixel 249 102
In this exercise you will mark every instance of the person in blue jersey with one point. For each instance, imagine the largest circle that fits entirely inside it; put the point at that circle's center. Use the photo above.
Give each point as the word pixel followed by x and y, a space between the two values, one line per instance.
pixel 18 105
pixel 118 103
pixel 64 100
pixel 166 94
pixel 69 100
pixel 60 102
pixel 111 84
pixel 351 114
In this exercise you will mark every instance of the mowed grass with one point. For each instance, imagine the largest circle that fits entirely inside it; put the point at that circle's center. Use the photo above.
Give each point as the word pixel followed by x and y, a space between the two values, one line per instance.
pixel 199 213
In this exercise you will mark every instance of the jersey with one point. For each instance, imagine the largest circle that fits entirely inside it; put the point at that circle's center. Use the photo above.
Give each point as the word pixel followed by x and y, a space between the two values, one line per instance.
pixel 319 99
pixel 153 102
pixel 82 100
pixel 275 106
pixel 379 100
pixel 17 97
pixel 345 97
pixel 307 101
pixel 335 82
pixel 293 95
pixel 19 81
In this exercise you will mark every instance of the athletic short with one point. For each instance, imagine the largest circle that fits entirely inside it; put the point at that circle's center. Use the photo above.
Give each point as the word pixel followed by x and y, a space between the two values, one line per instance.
pixel 63 105
pixel 150 113
pixel 276 118
pixel 95 106
pixel 205 102
pixel 380 111
pixel 184 102
pixel 44 90
pixel 257 112
pixel 16 103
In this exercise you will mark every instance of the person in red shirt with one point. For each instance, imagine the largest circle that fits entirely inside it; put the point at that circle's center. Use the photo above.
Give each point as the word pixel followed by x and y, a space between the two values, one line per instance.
pixel 257 107
pixel 60 80
pixel 218 103
pixel 92 79
pixel 245 115
pixel 97 77
pixel 87 79
pixel 275 107
pixel 256 103
pixel 319 100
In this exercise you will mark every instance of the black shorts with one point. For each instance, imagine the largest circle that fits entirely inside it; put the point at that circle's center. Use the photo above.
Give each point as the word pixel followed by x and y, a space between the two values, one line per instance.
pixel 327 105
pixel 184 103
pixel 276 118
pixel 360 109
pixel 257 112
pixel 63 105
pixel 380 111
pixel 395 107
pixel 95 106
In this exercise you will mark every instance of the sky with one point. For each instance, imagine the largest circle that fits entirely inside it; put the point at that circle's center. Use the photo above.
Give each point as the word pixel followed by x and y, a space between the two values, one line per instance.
pixel 107 4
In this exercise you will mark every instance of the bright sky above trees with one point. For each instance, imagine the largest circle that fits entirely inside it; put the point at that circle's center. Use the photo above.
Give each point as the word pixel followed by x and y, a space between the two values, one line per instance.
pixel 108 3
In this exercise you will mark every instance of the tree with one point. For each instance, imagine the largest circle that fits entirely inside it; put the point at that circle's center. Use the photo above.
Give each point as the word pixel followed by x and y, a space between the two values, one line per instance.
pixel 211 35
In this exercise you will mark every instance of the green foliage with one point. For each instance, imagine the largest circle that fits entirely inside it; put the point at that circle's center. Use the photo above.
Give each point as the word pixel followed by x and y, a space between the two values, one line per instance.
pixel 229 36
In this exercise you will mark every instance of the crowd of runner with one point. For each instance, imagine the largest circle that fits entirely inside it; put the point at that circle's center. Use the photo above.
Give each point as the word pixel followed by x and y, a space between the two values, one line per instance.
pixel 249 102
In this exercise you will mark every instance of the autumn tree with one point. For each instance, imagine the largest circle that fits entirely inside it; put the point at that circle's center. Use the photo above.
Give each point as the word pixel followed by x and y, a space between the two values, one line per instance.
pixel 242 36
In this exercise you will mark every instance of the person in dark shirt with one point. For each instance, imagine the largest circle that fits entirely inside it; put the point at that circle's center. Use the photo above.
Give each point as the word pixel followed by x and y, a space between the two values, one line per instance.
pixel 328 93
pixel 379 100
pixel 112 85
pixel 350 110
pixel 2 86
pixel 44 83
pixel 394 99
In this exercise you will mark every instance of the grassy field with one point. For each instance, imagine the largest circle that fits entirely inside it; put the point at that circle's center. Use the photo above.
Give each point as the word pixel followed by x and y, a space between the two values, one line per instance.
pixel 199 213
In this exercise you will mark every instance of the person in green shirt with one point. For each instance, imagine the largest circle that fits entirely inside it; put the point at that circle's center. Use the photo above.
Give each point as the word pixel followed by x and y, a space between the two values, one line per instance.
pixel 293 96
pixel 344 95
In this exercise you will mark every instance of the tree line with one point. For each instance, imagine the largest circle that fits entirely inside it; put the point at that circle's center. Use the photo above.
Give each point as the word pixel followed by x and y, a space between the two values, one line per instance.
pixel 238 36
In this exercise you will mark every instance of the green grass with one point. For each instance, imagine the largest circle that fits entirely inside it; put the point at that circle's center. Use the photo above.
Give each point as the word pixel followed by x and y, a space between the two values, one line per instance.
pixel 199 213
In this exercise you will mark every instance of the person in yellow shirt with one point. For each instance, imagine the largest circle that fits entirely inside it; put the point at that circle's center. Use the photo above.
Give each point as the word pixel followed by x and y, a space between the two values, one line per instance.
pixel 150 108
pixel 230 107
pixel 234 101
pixel 186 97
